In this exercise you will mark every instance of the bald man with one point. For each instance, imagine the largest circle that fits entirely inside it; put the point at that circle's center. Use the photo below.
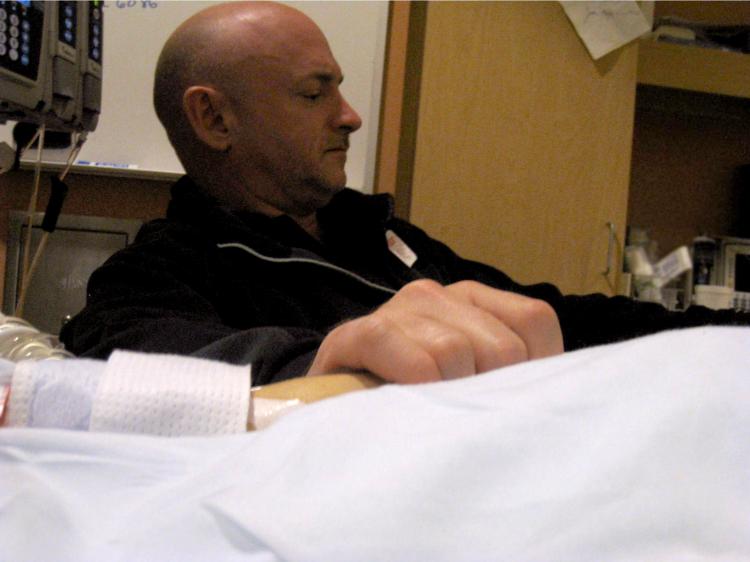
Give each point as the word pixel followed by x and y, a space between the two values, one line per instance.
pixel 265 256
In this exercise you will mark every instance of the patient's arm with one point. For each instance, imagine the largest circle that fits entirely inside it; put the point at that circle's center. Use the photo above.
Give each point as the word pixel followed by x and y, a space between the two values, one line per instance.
pixel 290 393
pixel 63 394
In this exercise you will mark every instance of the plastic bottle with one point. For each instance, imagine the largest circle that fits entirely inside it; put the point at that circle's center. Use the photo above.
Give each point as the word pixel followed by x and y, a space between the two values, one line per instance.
pixel 704 254
pixel 19 341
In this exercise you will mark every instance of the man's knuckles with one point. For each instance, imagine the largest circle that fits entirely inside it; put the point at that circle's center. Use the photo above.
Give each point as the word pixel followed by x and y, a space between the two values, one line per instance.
pixel 536 313
pixel 505 349
pixel 446 346
pixel 373 329
pixel 539 318
pixel 468 287
pixel 421 291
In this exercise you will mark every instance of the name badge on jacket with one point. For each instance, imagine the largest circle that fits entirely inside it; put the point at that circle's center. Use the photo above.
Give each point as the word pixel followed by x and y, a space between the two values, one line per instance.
pixel 399 248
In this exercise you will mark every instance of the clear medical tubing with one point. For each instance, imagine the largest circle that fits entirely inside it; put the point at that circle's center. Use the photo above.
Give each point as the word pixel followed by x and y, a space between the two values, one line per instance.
pixel 19 341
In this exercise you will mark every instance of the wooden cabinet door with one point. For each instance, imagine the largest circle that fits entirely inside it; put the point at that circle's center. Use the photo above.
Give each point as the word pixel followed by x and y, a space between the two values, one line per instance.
pixel 523 142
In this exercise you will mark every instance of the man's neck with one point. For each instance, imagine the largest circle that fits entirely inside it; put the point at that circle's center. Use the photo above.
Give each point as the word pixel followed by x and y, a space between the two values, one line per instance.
pixel 227 190
pixel 309 224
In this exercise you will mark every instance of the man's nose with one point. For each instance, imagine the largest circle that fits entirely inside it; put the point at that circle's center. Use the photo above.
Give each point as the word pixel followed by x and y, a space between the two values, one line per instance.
pixel 349 119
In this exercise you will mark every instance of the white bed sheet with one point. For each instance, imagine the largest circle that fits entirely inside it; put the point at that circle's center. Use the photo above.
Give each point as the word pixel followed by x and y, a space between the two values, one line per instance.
pixel 633 451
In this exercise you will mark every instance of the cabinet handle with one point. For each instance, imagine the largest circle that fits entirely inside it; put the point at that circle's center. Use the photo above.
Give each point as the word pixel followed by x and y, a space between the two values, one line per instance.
pixel 610 247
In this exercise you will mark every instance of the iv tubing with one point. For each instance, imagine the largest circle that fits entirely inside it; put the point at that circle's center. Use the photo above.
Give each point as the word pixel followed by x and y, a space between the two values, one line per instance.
pixel 34 197
pixel 29 274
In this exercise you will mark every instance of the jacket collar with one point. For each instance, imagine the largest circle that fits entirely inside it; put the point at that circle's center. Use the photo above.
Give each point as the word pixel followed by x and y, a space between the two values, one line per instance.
pixel 351 219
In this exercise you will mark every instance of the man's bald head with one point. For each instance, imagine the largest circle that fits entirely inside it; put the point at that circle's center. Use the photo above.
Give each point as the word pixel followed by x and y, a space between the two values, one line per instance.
pixel 249 95
pixel 206 49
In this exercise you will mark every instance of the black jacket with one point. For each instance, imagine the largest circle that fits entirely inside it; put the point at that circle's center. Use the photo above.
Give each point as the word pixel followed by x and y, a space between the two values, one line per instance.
pixel 243 287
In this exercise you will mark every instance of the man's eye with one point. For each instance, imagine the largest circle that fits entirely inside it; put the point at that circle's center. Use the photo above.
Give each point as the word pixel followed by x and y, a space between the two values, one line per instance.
pixel 312 97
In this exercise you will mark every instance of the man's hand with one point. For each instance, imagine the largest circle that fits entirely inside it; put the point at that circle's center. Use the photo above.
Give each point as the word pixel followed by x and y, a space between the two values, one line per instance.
pixel 428 332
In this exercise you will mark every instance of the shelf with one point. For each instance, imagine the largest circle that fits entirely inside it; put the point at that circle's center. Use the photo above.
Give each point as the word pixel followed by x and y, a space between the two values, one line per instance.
pixel 693 68
pixel 134 173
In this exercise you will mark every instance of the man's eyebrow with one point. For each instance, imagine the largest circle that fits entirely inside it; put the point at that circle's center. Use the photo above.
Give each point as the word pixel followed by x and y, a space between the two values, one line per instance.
pixel 325 77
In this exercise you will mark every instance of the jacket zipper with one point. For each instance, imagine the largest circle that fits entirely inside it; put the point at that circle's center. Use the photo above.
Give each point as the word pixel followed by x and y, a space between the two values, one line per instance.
pixel 323 264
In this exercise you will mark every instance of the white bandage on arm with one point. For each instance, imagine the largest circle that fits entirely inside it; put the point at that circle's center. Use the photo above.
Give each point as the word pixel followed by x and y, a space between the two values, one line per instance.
pixel 54 393
pixel 171 395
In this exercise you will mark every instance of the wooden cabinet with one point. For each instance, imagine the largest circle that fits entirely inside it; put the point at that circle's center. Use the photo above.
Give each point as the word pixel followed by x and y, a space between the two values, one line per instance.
pixel 522 145
pixel 692 68
pixel 518 150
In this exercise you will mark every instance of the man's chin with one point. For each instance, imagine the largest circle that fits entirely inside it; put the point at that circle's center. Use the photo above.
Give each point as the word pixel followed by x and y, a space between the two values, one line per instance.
pixel 326 193
pixel 320 193
pixel 333 183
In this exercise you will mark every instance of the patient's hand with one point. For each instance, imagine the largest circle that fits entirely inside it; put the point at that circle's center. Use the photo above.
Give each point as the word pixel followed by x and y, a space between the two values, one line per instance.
pixel 428 332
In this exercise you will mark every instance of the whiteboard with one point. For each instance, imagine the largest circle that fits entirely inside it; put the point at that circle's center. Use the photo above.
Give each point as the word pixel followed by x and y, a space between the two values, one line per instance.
pixel 130 135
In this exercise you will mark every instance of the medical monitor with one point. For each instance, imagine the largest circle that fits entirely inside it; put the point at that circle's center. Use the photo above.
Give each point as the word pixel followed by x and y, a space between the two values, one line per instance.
pixel 23 64
pixel 50 63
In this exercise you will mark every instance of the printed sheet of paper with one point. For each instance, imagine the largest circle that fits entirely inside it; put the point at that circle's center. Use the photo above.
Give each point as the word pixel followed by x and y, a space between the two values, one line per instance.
pixel 606 26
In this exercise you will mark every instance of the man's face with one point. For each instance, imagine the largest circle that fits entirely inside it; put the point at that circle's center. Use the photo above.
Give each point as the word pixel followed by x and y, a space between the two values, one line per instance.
pixel 292 124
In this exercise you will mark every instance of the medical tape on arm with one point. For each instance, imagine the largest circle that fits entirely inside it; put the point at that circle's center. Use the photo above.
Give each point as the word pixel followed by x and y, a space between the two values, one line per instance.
pixel 171 395
pixel 19 404
pixel 54 394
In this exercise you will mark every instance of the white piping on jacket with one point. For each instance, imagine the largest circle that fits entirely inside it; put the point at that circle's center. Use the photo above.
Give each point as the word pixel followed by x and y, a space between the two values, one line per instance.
pixel 307 260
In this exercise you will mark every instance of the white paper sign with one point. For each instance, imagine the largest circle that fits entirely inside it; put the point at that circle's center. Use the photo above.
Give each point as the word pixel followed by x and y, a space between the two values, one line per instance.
pixel 606 26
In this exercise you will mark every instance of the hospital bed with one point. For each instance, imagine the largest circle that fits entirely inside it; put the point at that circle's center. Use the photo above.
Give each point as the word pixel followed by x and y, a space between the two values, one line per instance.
pixel 632 451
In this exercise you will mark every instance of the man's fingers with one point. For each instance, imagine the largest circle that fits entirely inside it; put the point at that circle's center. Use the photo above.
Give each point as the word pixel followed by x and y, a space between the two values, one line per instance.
pixel 378 346
pixel 452 349
pixel 495 342
pixel 428 332
pixel 534 321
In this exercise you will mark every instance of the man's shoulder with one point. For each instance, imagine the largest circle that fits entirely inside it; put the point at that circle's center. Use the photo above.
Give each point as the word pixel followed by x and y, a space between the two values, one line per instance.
pixel 165 231
pixel 192 217
pixel 163 241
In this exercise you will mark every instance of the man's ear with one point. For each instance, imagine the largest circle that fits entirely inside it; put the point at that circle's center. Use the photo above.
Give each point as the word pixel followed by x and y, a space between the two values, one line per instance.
pixel 209 115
